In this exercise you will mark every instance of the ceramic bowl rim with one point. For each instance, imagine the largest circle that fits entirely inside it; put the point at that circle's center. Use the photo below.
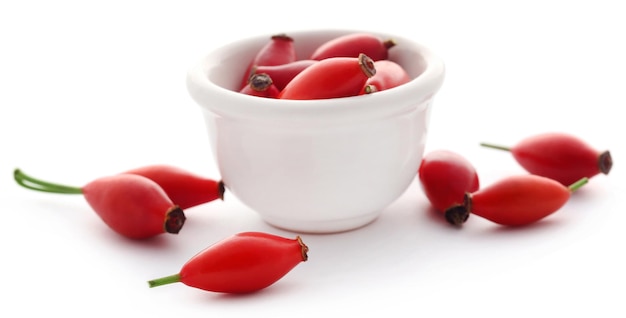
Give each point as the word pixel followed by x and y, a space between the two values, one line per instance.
pixel 225 102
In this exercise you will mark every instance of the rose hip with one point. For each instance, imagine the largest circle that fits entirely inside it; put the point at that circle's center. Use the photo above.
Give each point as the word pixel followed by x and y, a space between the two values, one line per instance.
pixel 278 50
pixel 520 199
pixel 243 263
pixel 260 85
pixel 330 78
pixel 388 75
pixel 131 205
pixel 284 73
pixel 559 156
pixel 445 177
pixel 183 187
pixel 353 44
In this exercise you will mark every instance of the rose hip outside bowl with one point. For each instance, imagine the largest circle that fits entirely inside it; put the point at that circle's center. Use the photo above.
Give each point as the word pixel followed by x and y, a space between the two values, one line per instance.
pixel 316 166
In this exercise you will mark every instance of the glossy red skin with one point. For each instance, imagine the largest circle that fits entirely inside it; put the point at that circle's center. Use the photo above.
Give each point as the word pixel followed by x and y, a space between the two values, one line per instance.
pixel 268 92
pixel 518 200
pixel 388 75
pixel 351 45
pixel 243 263
pixel 184 188
pixel 329 78
pixel 132 205
pixel 445 177
pixel 558 156
pixel 284 73
pixel 280 49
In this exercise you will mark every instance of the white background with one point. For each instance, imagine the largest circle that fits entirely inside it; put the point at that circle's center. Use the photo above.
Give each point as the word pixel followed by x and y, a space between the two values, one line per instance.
pixel 89 89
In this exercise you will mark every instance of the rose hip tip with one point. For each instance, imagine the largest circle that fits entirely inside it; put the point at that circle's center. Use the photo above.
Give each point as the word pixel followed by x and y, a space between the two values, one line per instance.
pixel 282 36
pixel 260 82
pixel 605 162
pixel 175 220
pixel 370 88
pixel 367 65
pixel 457 215
pixel 304 247
pixel 389 43
pixel 221 188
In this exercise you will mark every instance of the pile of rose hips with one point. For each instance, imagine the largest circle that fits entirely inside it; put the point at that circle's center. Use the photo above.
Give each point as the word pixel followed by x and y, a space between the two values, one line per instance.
pixel 148 201
pixel 349 65
pixel 558 164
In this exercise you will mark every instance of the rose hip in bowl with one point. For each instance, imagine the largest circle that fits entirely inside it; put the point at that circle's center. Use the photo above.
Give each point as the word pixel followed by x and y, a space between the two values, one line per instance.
pixel 324 165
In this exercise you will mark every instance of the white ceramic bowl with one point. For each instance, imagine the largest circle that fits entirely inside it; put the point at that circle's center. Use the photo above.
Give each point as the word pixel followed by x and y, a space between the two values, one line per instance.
pixel 316 166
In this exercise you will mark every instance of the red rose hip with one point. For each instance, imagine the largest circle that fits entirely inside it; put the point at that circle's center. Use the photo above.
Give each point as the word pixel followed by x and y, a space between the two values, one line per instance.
pixel 445 177
pixel 278 50
pixel 131 205
pixel 284 73
pixel 184 188
pixel 353 44
pixel 520 199
pixel 559 156
pixel 330 78
pixel 243 263
pixel 388 75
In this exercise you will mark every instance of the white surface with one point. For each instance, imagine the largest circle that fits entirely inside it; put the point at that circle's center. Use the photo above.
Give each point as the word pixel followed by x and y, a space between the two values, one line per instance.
pixel 316 166
pixel 90 90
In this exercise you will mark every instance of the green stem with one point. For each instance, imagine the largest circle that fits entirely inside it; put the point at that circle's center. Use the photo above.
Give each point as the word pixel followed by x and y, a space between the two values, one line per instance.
pixel 576 185
pixel 29 182
pixel 495 146
pixel 164 280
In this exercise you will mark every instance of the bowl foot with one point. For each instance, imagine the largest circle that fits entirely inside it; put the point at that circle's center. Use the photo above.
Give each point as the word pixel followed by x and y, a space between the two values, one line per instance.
pixel 322 227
